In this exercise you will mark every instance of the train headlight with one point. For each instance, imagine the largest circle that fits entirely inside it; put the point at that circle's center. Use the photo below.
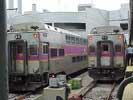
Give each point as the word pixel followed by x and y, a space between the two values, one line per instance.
pixel 90 38
pixel 120 37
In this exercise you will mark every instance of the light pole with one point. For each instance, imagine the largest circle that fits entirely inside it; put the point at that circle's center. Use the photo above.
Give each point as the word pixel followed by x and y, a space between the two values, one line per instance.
pixel 131 22
pixel 3 53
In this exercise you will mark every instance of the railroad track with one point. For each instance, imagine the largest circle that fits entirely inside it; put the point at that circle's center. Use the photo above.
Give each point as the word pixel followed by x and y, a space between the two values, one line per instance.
pixel 88 88
pixel 98 91
pixel 110 94
pixel 19 97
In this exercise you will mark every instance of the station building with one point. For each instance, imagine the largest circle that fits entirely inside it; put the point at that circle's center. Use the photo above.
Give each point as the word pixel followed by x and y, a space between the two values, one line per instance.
pixel 81 22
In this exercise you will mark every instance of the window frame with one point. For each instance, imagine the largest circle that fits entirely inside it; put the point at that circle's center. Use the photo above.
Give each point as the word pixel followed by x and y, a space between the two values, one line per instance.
pixel 46 49
pixel 53 54
pixel 120 47
pixel 61 53
pixel 36 49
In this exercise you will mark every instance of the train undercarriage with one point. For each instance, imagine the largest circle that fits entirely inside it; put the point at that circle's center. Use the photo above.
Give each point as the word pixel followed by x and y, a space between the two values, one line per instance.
pixel 108 74
pixel 27 83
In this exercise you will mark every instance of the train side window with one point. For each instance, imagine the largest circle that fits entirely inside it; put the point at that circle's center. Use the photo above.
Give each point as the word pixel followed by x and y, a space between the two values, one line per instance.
pixel 117 48
pixel 45 49
pixel 85 42
pixel 78 58
pixel 91 49
pixel 67 39
pixel 77 40
pixel 61 52
pixel 33 49
pixel 81 58
pixel 84 57
pixel 53 52
pixel 72 40
pixel 80 41
pixel 73 59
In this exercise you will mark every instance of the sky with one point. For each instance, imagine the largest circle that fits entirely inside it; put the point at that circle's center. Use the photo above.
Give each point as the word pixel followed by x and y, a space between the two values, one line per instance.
pixel 69 5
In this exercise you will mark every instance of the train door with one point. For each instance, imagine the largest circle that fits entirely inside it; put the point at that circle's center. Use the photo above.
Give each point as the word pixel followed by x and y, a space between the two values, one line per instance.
pixel 44 65
pixel 18 61
pixel 44 62
pixel 105 53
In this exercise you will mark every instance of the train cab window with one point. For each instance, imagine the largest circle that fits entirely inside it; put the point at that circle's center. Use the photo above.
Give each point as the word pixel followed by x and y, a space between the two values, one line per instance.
pixel 91 49
pixel 33 49
pixel 61 52
pixel 45 49
pixel 19 49
pixel 117 48
pixel 53 52
pixel 105 47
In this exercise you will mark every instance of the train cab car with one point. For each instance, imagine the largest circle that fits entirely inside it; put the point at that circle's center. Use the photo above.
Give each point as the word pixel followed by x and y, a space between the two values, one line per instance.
pixel 33 54
pixel 106 54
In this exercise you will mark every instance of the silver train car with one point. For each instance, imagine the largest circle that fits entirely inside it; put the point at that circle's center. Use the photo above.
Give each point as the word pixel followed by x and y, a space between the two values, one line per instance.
pixel 106 53
pixel 34 54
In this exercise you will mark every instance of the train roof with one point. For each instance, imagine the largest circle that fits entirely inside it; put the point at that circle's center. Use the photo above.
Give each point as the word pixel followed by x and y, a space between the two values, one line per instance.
pixel 106 29
pixel 104 34
pixel 40 27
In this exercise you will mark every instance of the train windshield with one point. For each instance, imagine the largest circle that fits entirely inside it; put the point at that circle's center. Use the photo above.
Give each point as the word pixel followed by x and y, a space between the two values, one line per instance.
pixel 105 52
pixel 105 49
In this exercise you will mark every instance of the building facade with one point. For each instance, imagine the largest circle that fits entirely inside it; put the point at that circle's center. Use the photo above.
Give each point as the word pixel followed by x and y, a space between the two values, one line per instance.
pixel 80 22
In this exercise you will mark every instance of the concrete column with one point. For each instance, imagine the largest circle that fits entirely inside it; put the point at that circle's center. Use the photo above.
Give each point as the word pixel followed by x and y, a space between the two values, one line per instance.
pixel 3 53
pixel 20 6
pixel 10 4
pixel 131 23
pixel 33 7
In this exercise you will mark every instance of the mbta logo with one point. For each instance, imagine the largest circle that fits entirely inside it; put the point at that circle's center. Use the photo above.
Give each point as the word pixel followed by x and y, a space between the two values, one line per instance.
pixel 18 36
pixel 104 37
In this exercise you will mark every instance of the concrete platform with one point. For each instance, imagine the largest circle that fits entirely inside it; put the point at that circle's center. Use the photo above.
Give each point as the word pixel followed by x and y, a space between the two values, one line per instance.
pixel 86 80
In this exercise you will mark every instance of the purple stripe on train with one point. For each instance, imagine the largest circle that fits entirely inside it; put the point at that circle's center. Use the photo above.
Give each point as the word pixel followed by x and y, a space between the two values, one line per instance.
pixel 34 57
pixel 75 49
pixel 67 49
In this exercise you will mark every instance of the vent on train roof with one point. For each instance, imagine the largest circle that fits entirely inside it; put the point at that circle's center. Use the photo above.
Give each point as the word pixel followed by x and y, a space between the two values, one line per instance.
pixel 34 27
pixel 116 31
